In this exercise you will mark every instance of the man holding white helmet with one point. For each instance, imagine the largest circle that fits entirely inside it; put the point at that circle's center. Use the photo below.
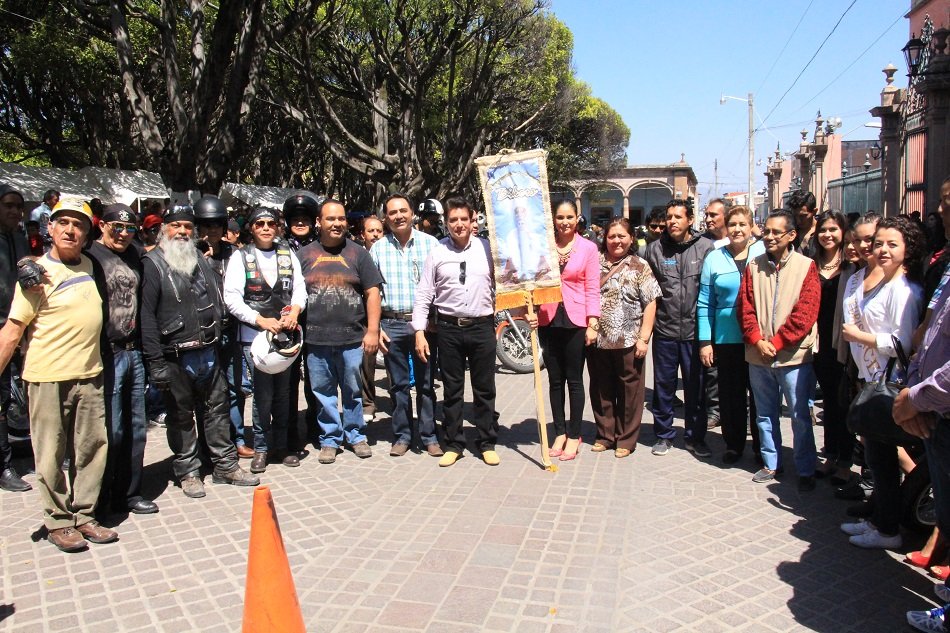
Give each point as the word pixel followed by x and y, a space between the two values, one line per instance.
pixel 264 289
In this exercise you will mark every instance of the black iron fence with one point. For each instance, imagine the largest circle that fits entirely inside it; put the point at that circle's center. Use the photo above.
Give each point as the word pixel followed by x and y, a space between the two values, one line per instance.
pixel 856 193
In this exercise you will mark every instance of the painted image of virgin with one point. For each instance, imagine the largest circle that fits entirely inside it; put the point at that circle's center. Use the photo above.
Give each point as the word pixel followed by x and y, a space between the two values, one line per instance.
pixel 523 245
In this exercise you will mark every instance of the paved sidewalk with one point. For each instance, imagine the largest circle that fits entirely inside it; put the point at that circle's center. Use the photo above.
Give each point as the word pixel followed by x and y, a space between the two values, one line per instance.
pixel 396 544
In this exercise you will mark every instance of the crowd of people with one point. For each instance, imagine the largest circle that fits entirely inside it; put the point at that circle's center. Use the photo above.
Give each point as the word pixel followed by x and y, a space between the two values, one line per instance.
pixel 182 314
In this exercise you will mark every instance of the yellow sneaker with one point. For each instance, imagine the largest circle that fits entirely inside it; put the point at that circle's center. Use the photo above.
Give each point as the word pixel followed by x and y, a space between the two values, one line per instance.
pixel 491 458
pixel 448 459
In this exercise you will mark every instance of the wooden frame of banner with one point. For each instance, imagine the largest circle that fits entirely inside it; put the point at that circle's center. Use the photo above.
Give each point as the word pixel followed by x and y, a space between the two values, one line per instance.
pixel 528 294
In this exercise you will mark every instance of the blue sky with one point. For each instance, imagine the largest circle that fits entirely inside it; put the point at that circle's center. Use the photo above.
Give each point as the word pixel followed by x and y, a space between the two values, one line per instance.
pixel 663 69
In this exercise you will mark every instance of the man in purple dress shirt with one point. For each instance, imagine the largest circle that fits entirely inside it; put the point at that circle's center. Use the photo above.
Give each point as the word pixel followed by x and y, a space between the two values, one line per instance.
pixel 457 279
pixel 923 410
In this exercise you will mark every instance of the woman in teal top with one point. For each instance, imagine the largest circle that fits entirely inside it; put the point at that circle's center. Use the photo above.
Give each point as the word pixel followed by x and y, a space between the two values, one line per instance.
pixel 720 337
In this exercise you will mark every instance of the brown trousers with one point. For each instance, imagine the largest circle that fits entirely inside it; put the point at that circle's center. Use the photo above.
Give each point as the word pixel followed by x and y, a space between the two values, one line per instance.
pixel 616 395
pixel 68 416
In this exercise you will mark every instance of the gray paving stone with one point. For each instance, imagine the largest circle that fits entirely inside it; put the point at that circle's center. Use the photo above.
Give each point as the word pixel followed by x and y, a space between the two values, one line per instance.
pixel 385 545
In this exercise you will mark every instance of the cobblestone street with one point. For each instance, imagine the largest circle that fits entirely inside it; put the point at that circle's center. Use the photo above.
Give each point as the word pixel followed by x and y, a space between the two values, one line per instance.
pixel 394 544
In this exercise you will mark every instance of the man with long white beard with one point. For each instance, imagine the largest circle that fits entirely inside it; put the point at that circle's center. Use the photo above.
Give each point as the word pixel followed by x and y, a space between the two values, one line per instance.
pixel 182 310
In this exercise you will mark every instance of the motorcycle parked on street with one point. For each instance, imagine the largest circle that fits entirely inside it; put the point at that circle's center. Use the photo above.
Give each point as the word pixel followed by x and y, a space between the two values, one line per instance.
pixel 513 347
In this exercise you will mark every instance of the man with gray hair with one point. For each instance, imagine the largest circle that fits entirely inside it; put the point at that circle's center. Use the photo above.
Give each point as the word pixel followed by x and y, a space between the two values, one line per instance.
pixel 182 308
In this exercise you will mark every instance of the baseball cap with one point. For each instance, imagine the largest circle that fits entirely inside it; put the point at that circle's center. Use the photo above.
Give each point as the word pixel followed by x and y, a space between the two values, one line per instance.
pixel 74 205
pixel 118 213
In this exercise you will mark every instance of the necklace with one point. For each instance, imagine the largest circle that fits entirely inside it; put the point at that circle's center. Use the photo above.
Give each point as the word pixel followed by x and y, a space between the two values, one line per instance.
pixel 833 264
pixel 564 253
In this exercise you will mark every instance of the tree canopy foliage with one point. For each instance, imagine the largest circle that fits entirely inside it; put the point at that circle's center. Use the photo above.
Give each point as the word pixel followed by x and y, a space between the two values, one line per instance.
pixel 350 97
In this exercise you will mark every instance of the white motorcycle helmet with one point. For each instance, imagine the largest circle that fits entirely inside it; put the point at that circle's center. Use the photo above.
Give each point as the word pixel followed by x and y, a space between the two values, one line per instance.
pixel 273 353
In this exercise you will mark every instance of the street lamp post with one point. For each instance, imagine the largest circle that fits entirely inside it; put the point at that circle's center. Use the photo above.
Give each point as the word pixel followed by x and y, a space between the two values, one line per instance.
pixel 722 100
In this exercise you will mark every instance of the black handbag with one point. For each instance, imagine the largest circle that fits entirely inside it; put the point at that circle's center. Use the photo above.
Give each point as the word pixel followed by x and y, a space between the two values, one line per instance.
pixel 870 414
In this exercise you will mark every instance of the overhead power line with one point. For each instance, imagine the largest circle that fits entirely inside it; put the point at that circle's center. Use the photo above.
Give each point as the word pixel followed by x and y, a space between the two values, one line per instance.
pixel 900 17
pixel 787 42
pixel 802 72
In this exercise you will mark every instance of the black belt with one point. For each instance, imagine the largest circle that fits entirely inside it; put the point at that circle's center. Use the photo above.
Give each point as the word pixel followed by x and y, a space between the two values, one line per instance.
pixel 464 321
pixel 128 346
pixel 398 316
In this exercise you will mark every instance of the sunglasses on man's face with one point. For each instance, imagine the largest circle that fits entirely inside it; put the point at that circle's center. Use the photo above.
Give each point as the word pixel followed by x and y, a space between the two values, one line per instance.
pixel 260 224
pixel 462 272
pixel 124 228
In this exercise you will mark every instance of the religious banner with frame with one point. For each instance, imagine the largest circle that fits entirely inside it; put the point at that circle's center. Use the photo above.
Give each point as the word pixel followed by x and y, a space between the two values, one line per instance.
pixel 520 228
pixel 524 254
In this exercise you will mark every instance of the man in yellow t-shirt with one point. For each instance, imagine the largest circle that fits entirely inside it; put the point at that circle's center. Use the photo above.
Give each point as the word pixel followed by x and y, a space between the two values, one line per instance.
pixel 62 320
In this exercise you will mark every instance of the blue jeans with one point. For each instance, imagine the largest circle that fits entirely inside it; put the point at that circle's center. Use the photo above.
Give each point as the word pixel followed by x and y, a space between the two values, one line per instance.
pixel 237 373
pixel 124 387
pixel 670 355
pixel 331 367
pixel 403 366
pixel 768 385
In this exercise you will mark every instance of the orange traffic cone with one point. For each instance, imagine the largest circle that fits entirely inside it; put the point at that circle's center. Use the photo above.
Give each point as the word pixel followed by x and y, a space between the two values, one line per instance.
pixel 270 599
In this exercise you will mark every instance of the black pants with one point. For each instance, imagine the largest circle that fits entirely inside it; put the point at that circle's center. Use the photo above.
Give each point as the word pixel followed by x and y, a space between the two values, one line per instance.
pixel 711 382
pixel 737 406
pixel 882 459
pixel 476 344
pixel 295 439
pixel 563 351
pixel 197 380
pixel 839 441
pixel 6 453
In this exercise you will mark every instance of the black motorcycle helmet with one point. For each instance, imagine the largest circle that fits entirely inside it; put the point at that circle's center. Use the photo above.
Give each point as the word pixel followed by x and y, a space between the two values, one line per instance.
pixel 429 206
pixel 210 209
pixel 303 203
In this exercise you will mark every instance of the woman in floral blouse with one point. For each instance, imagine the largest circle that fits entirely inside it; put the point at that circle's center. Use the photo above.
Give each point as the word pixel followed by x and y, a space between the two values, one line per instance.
pixel 628 293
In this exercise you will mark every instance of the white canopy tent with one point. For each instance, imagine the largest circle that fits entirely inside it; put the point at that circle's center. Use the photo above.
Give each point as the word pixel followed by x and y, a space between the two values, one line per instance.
pixel 127 186
pixel 255 196
pixel 109 185
pixel 33 182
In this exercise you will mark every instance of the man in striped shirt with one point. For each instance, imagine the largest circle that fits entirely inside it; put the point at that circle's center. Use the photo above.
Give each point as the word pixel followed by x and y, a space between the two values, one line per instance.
pixel 400 256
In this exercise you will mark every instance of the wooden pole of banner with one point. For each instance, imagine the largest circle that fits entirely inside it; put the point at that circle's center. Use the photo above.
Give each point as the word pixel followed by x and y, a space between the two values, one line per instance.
pixel 538 393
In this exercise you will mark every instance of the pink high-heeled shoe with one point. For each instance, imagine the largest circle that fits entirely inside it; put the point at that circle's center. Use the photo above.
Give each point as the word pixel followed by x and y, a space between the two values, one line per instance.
pixel 566 457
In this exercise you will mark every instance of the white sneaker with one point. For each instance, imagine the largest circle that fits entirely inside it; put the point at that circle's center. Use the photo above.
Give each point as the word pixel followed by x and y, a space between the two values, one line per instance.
pixel 872 539
pixel 930 621
pixel 854 529
pixel 943 592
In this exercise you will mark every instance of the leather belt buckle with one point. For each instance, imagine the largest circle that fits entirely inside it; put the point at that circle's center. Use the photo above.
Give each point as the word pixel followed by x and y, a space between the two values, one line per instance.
pixel 465 322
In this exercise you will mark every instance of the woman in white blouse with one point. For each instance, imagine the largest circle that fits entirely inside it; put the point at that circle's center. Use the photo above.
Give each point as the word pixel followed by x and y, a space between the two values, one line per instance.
pixel 873 316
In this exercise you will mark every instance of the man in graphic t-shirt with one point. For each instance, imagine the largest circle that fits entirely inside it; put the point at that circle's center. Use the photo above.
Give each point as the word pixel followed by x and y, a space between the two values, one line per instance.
pixel 117 264
pixel 343 309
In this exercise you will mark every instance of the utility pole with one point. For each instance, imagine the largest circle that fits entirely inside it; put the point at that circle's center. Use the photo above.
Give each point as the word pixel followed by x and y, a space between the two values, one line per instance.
pixel 751 203
pixel 716 177
pixel 722 100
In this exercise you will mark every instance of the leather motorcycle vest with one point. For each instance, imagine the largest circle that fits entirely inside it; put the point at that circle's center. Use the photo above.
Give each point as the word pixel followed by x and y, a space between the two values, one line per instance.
pixel 258 294
pixel 191 310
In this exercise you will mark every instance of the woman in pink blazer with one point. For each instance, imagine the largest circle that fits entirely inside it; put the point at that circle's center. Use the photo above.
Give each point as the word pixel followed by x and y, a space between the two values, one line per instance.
pixel 566 328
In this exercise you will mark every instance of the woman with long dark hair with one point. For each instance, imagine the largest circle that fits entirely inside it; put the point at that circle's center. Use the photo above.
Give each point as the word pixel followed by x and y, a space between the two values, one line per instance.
pixel 873 318
pixel 833 271
pixel 565 328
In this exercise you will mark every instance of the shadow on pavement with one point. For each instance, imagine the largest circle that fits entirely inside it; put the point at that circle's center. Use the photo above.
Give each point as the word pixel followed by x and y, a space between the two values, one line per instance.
pixel 834 581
